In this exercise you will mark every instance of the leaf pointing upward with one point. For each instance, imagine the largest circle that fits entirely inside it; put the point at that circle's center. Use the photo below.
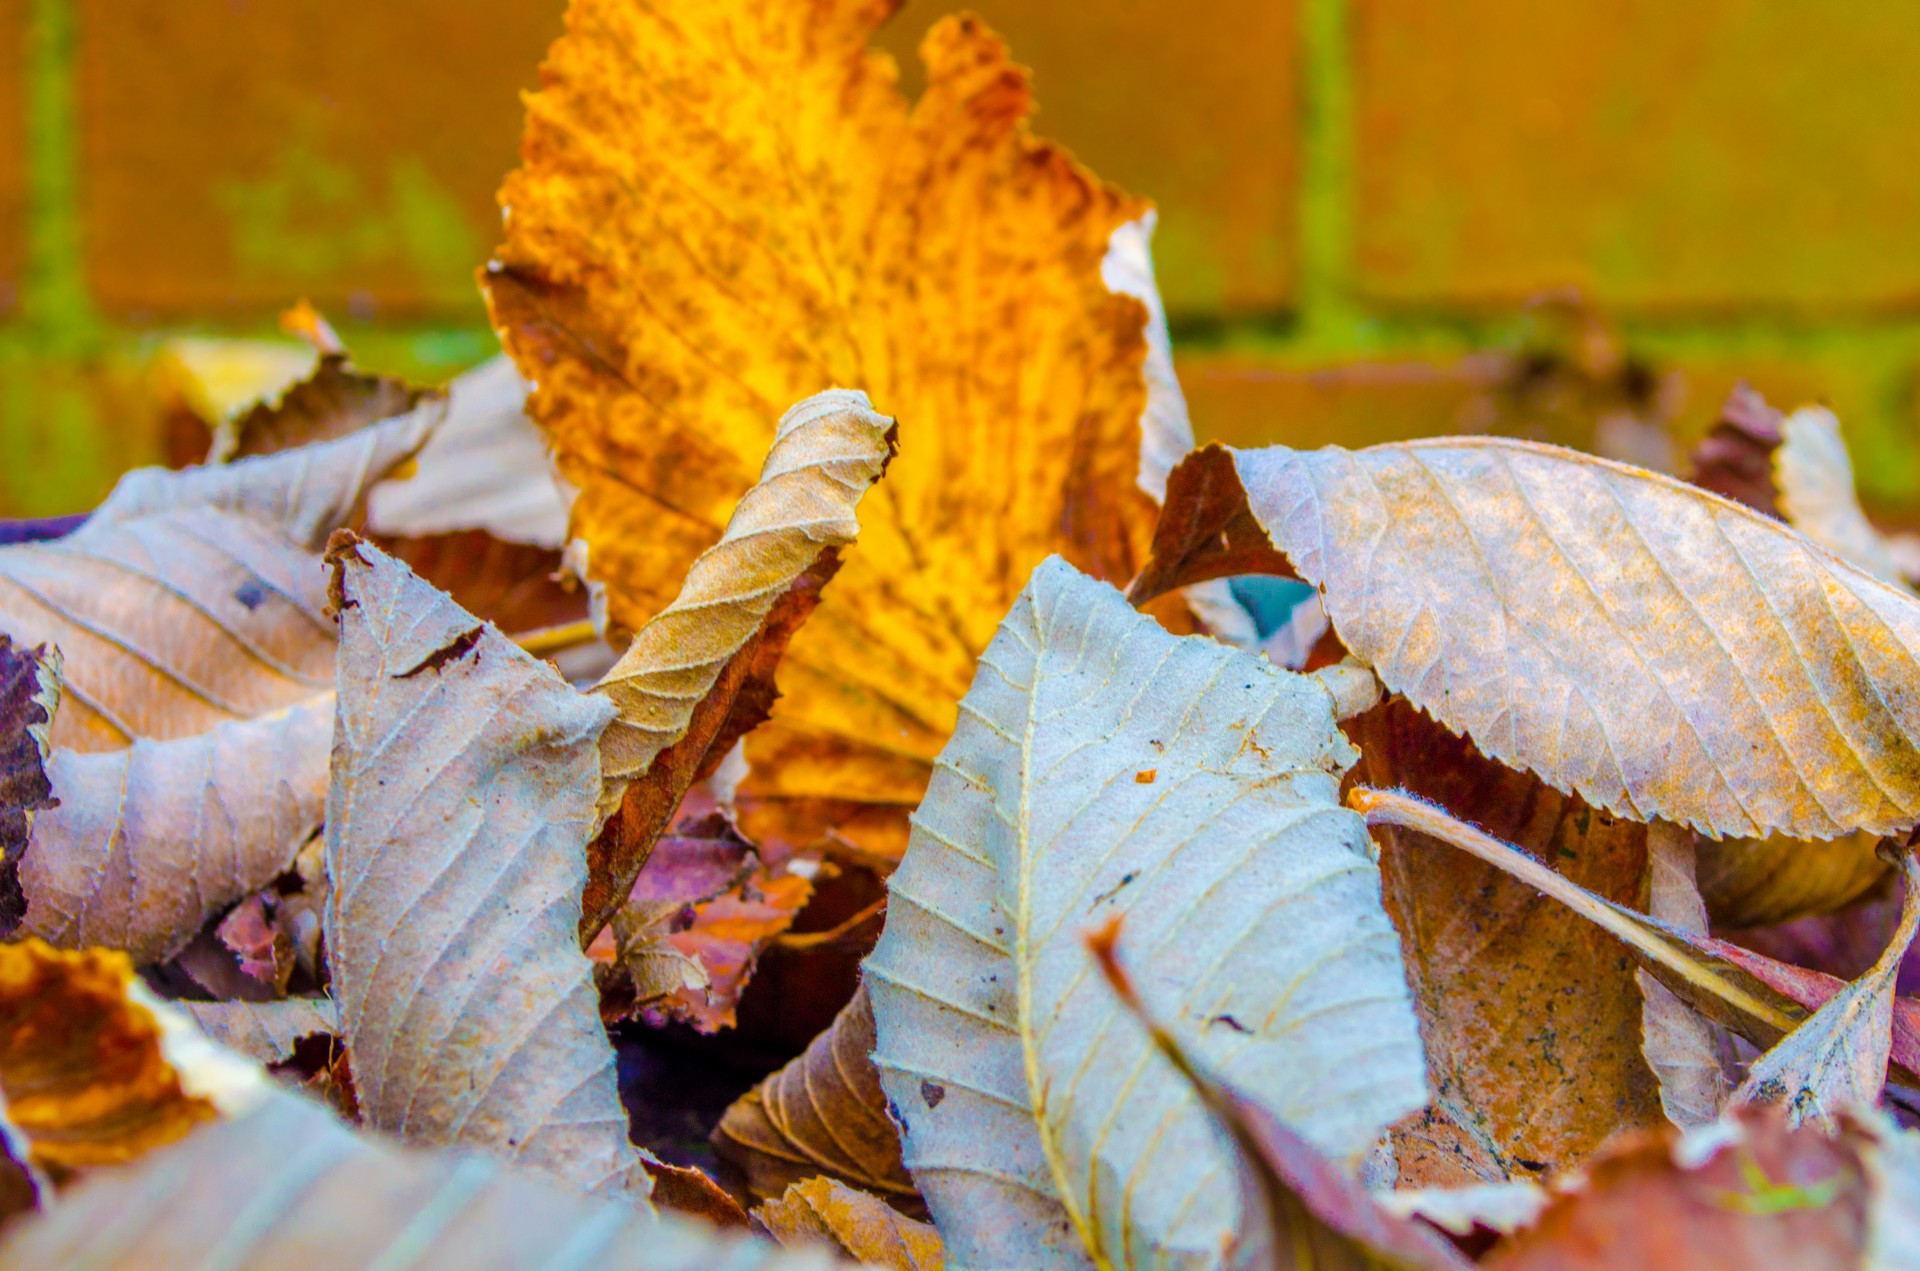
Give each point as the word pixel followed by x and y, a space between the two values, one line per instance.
pixel 464 774
pixel 1103 766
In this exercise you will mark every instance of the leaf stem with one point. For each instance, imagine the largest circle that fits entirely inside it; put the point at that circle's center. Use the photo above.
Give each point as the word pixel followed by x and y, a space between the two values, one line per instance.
pixel 547 641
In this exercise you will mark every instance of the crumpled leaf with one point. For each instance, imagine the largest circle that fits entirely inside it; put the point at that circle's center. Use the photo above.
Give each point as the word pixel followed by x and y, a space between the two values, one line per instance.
pixel 29 698
pixel 151 841
pixel 1103 766
pixel 826 1213
pixel 1686 1051
pixel 824 1113
pixel 1735 459
pixel 824 233
pixel 1530 1017
pixel 1297 1208
pixel 266 1032
pixel 289 1186
pixel 1653 648
pixel 699 673
pixel 333 401
pixel 95 1070
pixel 1837 1058
pixel 464 773
pixel 485 468
pixel 1736 1194
pixel 189 599
pixel 1814 475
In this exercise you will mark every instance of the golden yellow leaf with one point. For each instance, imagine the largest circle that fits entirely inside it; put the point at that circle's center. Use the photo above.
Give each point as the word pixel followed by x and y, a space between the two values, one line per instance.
pixel 724 208
pixel 92 1074
pixel 826 1212
pixel 1658 650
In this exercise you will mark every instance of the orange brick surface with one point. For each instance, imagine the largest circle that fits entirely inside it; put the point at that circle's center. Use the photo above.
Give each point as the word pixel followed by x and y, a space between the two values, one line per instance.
pixel 239 153
pixel 1660 156
pixel 1194 105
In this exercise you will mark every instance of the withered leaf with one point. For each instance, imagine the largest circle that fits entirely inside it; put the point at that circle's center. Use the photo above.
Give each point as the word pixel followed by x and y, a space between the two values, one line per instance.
pixel 464 773
pixel 192 598
pixel 1040 1124
pixel 1735 459
pixel 95 1070
pixel 266 1032
pixel 824 1113
pixel 333 401
pixel 1655 649
pixel 823 232
pixel 29 697
pixel 1530 1016
pixel 1814 476
pixel 1749 882
pixel 696 662
pixel 1686 1051
pixel 1837 1058
pixel 151 841
pixel 289 1186
pixel 826 1213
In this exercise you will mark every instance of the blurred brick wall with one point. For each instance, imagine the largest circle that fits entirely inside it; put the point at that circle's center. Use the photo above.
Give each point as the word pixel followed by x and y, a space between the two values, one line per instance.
pixel 1356 196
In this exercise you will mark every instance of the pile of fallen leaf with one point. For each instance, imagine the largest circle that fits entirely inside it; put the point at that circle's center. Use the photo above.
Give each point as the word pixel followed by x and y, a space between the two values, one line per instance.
pixel 1526 883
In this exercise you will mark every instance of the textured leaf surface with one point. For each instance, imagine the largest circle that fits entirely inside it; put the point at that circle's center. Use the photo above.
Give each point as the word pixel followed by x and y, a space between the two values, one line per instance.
pixel 824 1113
pixel 464 773
pixel 29 697
pixel 1530 1016
pixel 1653 648
pixel 151 841
pixel 192 598
pixel 1837 1058
pixel 678 679
pixel 826 1213
pixel 1103 766
pixel 265 1032
pixel 822 233
pixel 289 1186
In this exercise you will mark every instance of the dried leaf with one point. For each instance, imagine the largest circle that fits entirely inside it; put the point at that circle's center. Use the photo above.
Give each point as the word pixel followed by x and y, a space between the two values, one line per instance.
pixel 463 781
pixel 824 1113
pixel 826 1213
pixel 1005 1058
pixel 1685 1051
pixel 1837 1058
pixel 1814 474
pixel 694 663
pixel 29 698
pixel 1735 1195
pixel 151 841
pixel 1653 648
pixel 289 1186
pixel 485 468
pixel 1497 1207
pixel 333 401
pixel 725 940
pixel 1758 882
pixel 189 599
pixel 265 1032
pixel 264 949
pixel 823 232
pixel 94 1069
pixel 1530 1017
pixel 1735 459
pixel 1297 1208
pixel 687 1190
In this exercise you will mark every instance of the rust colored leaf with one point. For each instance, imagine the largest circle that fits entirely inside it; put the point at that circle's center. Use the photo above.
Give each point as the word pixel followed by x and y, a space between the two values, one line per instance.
pixel 1735 459
pixel 29 696
pixel 700 673
pixel 151 841
pixel 826 1213
pixel 686 1190
pixel 1734 1196
pixel 512 585
pixel 820 231
pixel 1530 1016
pixel 464 773
pixel 191 599
pixel 95 1071
pixel 1655 649
pixel 290 1186
pixel 824 1113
